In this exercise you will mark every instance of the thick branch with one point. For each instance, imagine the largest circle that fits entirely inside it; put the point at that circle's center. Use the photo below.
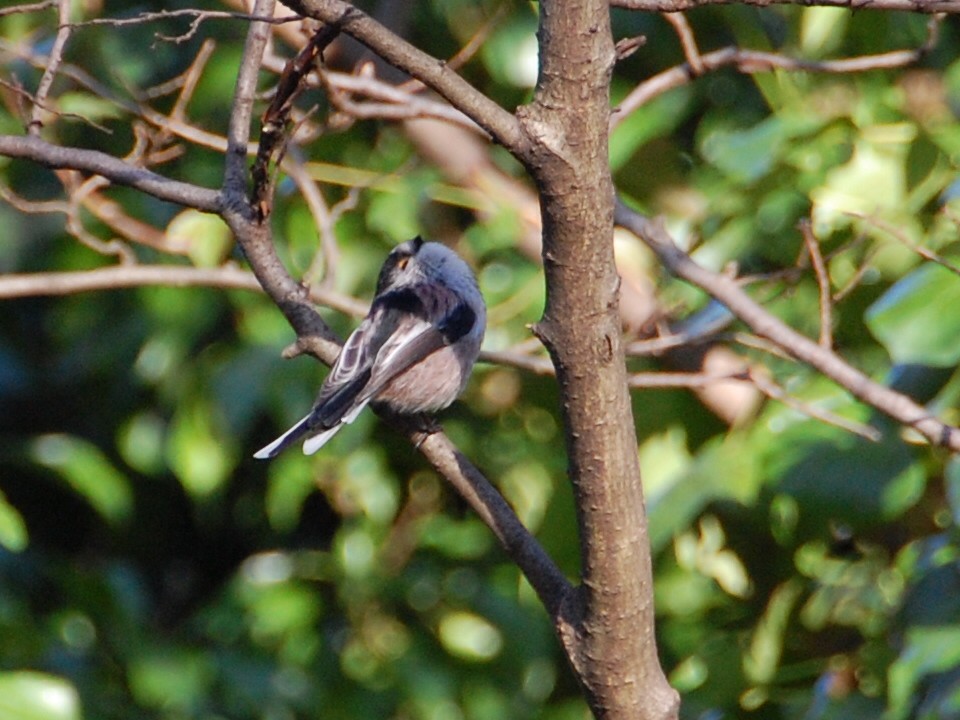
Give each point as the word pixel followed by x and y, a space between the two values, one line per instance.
pixel 115 170
pixel 896 405
pixel 612 645
pixel 500 124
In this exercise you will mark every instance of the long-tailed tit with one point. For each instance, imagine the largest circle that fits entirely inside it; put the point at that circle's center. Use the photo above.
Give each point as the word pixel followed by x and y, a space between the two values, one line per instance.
pixel 414 350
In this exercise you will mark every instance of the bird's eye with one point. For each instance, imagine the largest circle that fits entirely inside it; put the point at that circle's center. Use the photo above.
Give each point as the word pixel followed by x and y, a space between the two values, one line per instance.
pixel 402 263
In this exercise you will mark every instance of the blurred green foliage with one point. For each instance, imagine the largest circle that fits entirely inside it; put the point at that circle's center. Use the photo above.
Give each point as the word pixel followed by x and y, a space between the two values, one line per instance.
pixel 149 568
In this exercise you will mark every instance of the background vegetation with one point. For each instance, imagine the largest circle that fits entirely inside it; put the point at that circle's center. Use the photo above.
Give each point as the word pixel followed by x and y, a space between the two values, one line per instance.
pixel 151 569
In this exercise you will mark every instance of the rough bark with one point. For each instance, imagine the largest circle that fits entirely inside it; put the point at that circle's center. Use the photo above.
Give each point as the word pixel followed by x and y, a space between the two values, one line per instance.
pixel 608 626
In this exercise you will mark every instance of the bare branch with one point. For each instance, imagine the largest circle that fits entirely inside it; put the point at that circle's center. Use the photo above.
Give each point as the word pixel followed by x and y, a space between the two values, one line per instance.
pixel 687 41
pixel 118 277
pixel 398 104
pixel 77 192
pixel 117 171
pixel 46 107
pixel 823 283
pixel 273 135
pixel 496 121
pixel 890 402
pixel 546 578
pixel 28 8
pixel 773 391
pixel 537 364
pixel 750 61
pixel 666 380
pixel 123 276
pixel 197 18
pixel 472 47
pixel 50 72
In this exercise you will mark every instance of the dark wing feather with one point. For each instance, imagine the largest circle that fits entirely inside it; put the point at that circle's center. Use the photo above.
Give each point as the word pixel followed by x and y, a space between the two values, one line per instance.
pixel 396 335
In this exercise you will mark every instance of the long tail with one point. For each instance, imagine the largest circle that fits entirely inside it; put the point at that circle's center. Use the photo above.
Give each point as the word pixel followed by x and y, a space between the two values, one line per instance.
pixel 300 429
pixel 315 442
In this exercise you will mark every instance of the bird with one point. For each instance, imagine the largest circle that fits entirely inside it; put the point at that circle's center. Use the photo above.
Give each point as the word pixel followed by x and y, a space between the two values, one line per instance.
pixel 413 352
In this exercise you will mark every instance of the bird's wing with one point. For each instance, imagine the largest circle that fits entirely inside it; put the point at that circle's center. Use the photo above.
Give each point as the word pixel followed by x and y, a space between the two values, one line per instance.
pixel 415 336
pixel 397 334
pixel 393 336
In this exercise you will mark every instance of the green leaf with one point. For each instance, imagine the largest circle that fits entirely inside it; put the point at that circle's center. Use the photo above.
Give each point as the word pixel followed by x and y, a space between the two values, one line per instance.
pixel 928 650
pixel 88 472
pixel 205 238
pixel 201 459
pixel 89 106
pixel 822 29
pixel 469 636
pixel 174 678
pixel 37 696
pixel 13 531
pixel 655 119
pixel 872 183
pixel 914 320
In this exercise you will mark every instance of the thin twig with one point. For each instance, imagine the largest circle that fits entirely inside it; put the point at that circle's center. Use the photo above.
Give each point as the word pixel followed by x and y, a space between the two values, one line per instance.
pixel 397 104
pixel 750 61
pixel 890 402
pixel 273 135
pixel 118 277
pixel 46 107
pixel 123 276
pixel 50 72
pixel 666 380
pixel 197 15
pixel 773 391
pixel 687 41
pixel 464 54
pixel 77 192
pixel 823 282
pixel 28 8
pixel 900 237
pixel 537 364
pixel 500 124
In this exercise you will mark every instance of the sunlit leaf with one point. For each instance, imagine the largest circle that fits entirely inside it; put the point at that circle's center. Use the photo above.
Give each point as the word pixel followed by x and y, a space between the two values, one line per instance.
pixel 13 531
pixel 203 237
pixel 469 636
pixel 201 459
pixel 766 647
pixel 37 696
pixel 822 29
